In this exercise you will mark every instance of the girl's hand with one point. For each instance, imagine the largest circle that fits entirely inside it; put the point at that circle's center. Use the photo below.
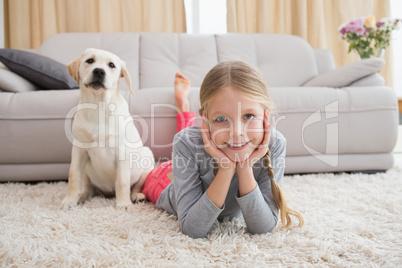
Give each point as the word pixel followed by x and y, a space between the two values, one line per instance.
pixel 261 150
pixel 220 157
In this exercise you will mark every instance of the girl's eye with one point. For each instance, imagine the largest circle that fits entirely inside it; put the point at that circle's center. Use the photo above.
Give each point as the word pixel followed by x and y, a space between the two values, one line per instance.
pixel 111 65
pixel 90 61
pixel 220 119
pixel 248 116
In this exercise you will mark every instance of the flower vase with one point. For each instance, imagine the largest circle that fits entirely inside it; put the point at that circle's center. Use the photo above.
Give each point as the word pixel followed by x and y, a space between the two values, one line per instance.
pixel 364 54
pixel 379 53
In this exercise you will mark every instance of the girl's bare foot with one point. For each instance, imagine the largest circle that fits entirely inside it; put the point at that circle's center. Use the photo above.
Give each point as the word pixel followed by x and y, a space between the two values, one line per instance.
pixel 182 89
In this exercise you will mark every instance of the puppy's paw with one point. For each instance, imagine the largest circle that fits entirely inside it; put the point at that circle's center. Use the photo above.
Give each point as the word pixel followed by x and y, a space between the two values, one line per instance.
pixel 68 202
pixel 137 197
pixel 123 205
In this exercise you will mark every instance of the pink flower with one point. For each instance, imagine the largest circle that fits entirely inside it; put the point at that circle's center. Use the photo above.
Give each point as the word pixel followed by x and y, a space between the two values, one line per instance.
pixel 365 35
pixel 359 30
pixel 354 26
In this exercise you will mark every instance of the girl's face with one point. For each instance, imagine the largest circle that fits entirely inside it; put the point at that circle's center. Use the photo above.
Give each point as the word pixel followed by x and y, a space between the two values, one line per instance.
pixel 236 124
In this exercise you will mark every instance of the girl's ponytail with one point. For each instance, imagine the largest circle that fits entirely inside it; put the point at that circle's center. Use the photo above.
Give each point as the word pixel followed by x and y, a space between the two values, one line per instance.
pixel 280 200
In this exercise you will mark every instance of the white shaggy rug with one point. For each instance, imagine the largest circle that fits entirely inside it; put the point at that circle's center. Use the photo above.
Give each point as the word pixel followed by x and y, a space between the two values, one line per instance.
pixel 350 220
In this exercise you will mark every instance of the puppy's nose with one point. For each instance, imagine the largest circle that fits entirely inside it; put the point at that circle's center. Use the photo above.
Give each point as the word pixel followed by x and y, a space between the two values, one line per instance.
pixel 99 73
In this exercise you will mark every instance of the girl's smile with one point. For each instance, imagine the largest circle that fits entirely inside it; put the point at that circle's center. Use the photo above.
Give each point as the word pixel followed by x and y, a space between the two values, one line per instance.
pixel 236 123
pixel 237 146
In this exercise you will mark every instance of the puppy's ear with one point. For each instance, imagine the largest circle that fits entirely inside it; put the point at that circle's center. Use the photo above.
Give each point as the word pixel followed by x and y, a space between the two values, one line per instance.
pixel 124 73
pixel 74 68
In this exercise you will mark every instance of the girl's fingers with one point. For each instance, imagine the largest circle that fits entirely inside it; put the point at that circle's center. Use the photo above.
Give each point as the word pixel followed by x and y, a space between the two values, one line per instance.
pixel 267 130
pixel 205 122
pixel 210 146
pixel 205 136
pixel 267 135
pixel 262 149
pixel 205 127
pixel 267 113
pixel 266 119
pixel 257 154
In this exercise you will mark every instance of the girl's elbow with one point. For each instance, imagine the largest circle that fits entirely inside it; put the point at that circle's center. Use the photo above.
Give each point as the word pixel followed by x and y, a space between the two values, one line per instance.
pixel 263 229
pixel 191 230
pixel 193 233
pixel 195 236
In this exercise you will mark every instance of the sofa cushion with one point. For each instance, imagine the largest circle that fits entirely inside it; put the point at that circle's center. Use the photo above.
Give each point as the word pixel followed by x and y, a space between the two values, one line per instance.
pixel 12 82
pixel 335 121
pixel 164 54
pixel 345 75
pixel 124 45
pixel 32 121
pixel 42 71
pixel 283 60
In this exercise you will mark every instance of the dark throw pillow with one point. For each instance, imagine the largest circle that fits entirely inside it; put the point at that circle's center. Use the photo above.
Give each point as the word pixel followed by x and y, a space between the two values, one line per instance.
pixel 40 70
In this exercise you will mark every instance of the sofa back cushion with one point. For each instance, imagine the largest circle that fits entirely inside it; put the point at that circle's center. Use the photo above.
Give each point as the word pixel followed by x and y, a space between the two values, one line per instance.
pixel 153 58
pixel 283 60
pixel 68 46
pixel 164 54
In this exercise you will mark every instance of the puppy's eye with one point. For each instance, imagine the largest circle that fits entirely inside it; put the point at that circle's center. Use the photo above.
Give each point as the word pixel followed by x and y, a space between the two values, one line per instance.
pixel 90 61
pixel 111 65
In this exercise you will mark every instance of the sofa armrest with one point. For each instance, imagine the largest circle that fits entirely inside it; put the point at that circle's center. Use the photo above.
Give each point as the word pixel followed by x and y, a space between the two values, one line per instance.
pixel 324 59
pixel 371 80
pixel 348 74
pixel 12 82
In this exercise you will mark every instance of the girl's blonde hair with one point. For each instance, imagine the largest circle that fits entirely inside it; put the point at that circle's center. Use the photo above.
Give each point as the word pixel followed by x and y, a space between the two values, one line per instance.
pixel 242 77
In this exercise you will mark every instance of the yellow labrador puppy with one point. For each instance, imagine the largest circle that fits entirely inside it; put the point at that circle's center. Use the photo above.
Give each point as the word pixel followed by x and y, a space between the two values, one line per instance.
pixel 105 139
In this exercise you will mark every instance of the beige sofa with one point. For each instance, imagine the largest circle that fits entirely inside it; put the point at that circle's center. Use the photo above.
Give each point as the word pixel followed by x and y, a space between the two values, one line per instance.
pixel 334 120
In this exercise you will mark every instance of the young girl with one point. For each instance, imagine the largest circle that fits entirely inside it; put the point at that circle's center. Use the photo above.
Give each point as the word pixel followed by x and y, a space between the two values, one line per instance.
pixel 229 166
